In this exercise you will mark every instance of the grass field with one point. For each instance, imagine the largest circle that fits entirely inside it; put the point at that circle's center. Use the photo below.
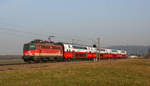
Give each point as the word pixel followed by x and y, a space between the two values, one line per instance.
pixel 128 72
pixel 11 61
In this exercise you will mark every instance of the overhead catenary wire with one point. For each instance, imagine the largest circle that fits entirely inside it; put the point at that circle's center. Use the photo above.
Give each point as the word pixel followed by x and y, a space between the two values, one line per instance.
pixel 13 34
pixel 18 34
pixel 32 34
pixel 25 32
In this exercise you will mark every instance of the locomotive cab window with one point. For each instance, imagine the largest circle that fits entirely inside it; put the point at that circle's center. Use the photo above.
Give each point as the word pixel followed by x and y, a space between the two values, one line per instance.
pixel 30 47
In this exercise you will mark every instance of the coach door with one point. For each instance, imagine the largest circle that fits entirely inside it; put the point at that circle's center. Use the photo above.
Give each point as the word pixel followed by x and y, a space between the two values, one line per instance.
pixel 73 54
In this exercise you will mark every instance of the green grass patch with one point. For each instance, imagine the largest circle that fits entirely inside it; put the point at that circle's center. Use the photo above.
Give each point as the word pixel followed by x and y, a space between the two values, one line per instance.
pixel 105 73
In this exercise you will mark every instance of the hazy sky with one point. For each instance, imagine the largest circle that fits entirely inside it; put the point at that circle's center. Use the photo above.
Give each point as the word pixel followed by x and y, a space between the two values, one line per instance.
pixel 116 22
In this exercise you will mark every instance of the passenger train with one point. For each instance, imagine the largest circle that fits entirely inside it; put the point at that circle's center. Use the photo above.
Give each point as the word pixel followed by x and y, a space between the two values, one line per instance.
pixel 42 51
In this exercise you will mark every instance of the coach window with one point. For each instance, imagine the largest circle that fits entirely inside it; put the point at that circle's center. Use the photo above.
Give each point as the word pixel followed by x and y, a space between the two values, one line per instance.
pixel 102 55
pixel 68 46
pixel 114 51
pixel 102 49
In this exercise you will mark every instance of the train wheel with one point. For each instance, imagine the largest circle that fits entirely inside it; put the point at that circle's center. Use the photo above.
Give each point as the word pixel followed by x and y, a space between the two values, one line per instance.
pixel 30 61
pixel 69 59
pixel 91 59
pixel 25 60
pixel 99 59
pixel 95 59
pixel 37 61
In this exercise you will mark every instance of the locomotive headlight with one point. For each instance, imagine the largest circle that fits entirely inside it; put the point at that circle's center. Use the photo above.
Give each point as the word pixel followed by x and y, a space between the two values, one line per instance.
pixel 29 54
pixel 32 54
pixel 25 54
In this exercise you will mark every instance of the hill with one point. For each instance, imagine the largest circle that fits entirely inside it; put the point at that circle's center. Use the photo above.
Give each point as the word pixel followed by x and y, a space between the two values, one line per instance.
pixel 135 50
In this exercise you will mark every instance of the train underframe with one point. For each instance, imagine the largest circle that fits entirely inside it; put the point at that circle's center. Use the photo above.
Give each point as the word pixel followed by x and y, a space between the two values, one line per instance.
pixel 36 59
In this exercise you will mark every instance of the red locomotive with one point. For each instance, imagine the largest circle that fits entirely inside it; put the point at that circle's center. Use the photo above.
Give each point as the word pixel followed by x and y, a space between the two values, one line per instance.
pixel 38 50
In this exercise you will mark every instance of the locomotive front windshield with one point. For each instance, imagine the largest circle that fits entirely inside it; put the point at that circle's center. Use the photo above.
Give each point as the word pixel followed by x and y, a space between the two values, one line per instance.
pixel 30 47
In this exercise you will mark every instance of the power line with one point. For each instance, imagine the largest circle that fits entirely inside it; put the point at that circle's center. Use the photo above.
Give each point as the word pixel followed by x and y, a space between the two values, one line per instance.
pixel 25 32
pixel 13 34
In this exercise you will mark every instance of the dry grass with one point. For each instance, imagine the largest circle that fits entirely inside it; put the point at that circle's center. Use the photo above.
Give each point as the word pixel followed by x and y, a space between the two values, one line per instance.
pixel 11 61
pixel 132 72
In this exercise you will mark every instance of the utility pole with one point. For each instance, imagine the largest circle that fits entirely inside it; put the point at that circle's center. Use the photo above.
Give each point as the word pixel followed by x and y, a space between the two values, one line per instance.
pixel 98 43
pixel 73 41
pixel 50 38
pixel 98 46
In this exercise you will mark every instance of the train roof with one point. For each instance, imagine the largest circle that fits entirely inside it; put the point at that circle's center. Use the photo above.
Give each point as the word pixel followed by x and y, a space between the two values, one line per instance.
pixel 38 41
pixel 79 45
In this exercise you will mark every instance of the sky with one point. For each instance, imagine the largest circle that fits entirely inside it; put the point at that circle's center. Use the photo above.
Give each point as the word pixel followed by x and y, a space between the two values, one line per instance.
pixel 116 22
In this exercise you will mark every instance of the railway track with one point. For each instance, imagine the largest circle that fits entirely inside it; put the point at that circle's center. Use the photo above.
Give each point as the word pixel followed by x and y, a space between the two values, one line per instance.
pixel 13 64
pixel 3 64
pixel 7 64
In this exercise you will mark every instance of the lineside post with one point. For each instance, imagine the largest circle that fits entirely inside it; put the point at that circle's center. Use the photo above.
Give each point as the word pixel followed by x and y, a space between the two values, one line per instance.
pixel 98 46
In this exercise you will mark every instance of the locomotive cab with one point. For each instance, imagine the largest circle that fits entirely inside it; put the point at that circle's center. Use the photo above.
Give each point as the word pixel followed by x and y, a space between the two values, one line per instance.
pixel 38 51
pixel 28 51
